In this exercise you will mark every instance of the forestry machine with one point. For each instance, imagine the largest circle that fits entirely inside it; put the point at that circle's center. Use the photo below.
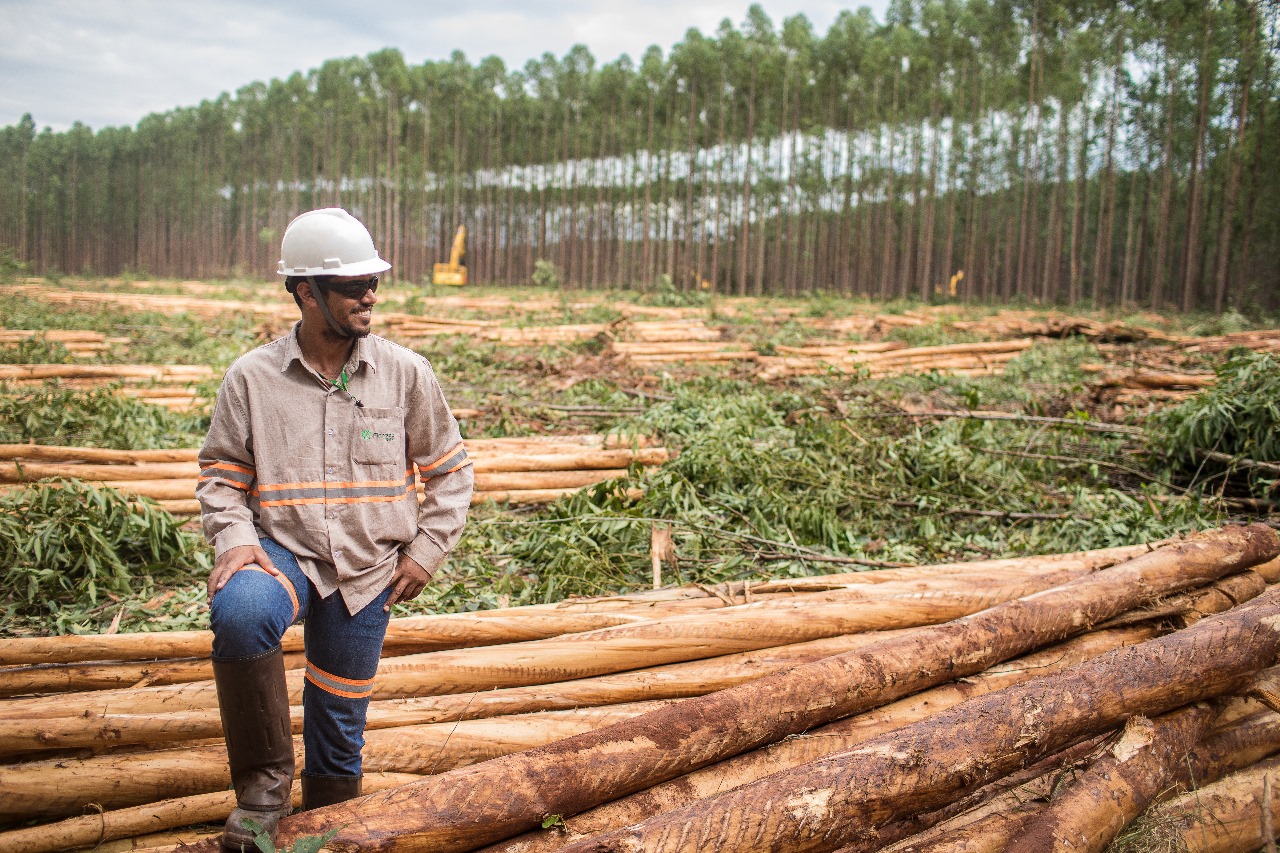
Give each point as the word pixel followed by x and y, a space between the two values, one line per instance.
pixel 453 272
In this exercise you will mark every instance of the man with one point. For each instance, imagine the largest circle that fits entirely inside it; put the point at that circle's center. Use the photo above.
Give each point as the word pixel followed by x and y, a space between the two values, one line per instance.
pixel 307 491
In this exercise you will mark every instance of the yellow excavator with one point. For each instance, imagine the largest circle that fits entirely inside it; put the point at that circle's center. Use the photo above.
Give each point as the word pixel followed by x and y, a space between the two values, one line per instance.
pixel 453 272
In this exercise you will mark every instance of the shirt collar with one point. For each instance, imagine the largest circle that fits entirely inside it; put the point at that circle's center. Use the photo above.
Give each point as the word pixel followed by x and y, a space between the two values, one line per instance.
pixel 362 352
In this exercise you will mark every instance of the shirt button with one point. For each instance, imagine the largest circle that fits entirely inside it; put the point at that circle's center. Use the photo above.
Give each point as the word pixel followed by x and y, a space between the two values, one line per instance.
pixel 330 470
pixel 330 431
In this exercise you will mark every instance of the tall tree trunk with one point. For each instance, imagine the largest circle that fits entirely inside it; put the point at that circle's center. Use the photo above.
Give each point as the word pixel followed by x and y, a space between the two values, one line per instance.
pixel 1160 266
pixel 1234 156
pixel 1191 269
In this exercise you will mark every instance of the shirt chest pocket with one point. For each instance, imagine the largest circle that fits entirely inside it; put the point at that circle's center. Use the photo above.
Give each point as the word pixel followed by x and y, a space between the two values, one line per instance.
pixel 379 437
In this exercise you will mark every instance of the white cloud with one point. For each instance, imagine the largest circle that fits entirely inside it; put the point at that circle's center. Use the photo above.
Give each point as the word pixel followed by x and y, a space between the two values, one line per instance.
pixel 111 62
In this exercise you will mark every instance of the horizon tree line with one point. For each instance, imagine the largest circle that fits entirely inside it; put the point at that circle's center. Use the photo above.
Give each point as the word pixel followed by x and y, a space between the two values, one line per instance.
pixel 1052 151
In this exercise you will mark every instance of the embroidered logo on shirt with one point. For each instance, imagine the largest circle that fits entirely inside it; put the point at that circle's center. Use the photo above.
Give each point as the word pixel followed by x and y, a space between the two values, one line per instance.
pixel 368 435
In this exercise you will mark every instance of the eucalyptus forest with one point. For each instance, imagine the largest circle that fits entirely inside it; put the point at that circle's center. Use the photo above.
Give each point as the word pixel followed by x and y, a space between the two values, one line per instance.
pixel 1047 150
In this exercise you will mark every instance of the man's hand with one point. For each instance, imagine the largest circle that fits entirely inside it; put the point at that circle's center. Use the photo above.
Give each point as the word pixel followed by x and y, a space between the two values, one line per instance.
pixel 407 582
pixel 235 559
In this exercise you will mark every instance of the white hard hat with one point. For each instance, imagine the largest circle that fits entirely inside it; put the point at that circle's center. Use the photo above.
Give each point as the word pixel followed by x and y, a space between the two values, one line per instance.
pixel 328 241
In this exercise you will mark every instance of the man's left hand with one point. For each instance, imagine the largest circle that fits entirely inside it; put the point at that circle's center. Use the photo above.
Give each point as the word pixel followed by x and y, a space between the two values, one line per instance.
pixel 407 582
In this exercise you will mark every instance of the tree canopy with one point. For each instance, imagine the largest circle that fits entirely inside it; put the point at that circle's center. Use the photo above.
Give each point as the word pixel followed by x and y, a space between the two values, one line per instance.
pixel 1050 150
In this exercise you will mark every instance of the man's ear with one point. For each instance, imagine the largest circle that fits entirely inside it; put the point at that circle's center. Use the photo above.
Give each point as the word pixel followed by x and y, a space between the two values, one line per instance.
pixel 306 292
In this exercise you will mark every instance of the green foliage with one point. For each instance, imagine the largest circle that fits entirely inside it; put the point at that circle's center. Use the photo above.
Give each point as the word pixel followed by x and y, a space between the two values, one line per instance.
pixel 546 274
pixel 154 338
pixel 93 418
pixel 1227 323
pixel 304 844
pixel 1238 416
pixel 781 482
pixel 11 266
pixel 665 293
pixel 929 335
pixel 36 350
pixel 66 543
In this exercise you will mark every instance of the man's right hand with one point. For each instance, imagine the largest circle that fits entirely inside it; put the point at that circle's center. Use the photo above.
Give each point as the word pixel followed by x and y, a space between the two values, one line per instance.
pixel 235 559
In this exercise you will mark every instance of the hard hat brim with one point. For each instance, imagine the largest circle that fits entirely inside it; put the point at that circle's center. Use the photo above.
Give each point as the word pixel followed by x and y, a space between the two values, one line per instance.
pixel 369 267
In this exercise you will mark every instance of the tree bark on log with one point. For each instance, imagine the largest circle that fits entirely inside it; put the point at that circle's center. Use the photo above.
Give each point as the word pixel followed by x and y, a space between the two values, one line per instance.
pixel 458 811
pixel 823 805
pixel 817 743
pixel 1117 787
pixel 994 824
pixel 844 734
pixel 1224 817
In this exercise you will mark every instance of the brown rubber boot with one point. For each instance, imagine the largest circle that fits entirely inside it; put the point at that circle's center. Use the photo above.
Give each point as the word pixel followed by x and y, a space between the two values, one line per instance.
pixel 321 791
pixel 254 703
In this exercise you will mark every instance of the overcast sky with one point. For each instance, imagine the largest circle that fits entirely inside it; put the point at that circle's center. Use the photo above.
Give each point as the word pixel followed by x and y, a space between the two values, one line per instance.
pixel 111 62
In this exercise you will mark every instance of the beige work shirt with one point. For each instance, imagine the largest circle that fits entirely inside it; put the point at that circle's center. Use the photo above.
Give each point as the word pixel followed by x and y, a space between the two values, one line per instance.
pixel 331 474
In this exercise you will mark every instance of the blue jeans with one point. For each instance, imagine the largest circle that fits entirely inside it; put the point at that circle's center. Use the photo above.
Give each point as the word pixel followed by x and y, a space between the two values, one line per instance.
pixel 251 613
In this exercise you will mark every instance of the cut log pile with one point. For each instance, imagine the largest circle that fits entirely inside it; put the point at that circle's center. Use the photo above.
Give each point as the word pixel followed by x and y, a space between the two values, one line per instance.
pixel 168 385
pixel 75 341
pixel 508 470
pixel 1263 340
pixel 1008 323
pixel 1146 386
pixel 978 359
pixel 159 302
pixel 913 706
pixel 409 327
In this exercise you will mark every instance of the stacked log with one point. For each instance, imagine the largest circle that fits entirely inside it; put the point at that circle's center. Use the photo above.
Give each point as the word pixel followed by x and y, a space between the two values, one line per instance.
pixel 76 342
pixel 410 328
pixel 681 351
pixel 1147 386
pixel 1261 340
pixel 1054 325
pixel 107 372
pixel 167 385
pixel 688 723
pixel 515 471
pixel 978 359
pixel 158 302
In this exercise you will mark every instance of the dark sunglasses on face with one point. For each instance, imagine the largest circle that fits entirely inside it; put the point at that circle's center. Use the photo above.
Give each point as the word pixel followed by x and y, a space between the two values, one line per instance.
pixel 354 289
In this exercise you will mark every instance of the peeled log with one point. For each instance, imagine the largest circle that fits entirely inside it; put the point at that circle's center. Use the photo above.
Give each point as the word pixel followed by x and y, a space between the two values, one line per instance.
pixel 694 636
pixel 91 830
pixel 823 805
pixel 59 678
pixel 682 680
pixel 410 633
pixel 1089 560
pixel 461 810
pixel 1117 787
pixel 65 786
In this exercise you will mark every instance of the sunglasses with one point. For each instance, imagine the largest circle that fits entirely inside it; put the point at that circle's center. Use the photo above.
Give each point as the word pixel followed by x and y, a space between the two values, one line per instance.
pixel 354 289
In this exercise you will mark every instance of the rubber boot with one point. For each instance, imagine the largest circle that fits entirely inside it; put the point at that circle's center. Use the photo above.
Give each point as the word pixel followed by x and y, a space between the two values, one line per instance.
pixel 254 703
pixel 321 791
